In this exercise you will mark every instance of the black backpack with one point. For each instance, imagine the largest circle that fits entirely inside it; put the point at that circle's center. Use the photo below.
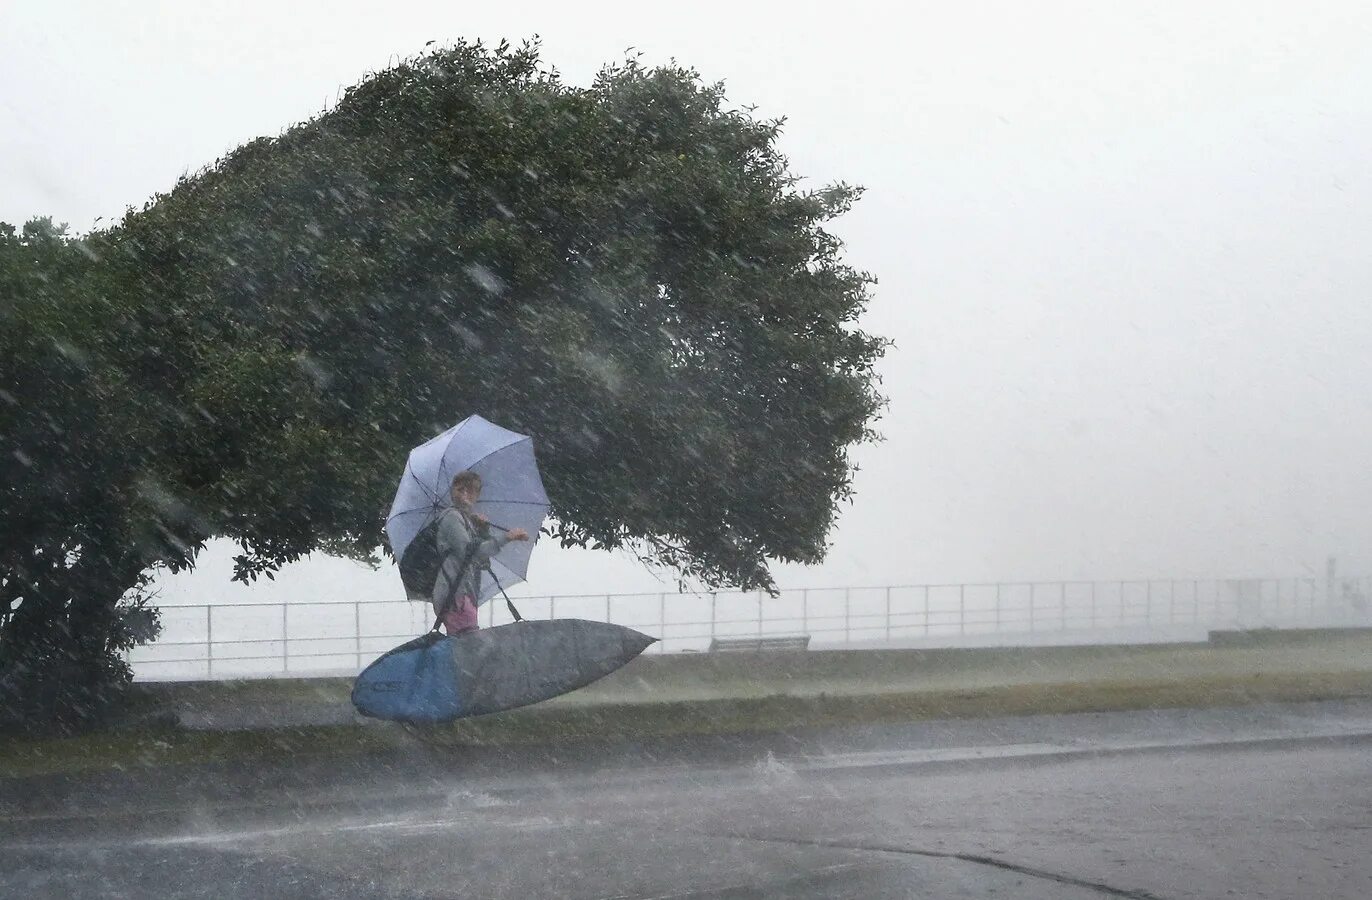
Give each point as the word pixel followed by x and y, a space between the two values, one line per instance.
pixel 420 563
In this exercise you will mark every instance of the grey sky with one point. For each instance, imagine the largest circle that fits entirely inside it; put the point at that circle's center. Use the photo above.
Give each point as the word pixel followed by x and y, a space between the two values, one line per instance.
pixel 1123 248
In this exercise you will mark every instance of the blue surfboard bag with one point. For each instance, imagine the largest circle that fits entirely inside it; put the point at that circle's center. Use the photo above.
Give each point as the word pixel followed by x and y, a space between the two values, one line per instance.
pixel 437 678
pixel 415 682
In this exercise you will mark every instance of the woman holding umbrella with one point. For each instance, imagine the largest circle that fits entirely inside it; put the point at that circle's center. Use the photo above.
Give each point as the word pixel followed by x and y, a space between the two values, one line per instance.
pixel 465 546
pixel 447 556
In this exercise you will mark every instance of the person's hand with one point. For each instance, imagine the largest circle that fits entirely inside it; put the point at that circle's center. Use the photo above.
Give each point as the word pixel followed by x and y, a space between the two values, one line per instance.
pixel 517 534
pixel 480 518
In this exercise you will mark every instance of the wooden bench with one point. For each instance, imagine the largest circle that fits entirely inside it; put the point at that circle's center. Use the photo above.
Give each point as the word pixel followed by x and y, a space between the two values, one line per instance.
pixel 756 644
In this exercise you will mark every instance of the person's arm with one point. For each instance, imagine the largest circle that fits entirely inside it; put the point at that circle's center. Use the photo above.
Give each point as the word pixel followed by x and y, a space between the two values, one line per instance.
pixel 489 548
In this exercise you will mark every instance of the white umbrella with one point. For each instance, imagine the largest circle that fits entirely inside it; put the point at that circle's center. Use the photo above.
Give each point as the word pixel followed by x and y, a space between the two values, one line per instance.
pixel 512 496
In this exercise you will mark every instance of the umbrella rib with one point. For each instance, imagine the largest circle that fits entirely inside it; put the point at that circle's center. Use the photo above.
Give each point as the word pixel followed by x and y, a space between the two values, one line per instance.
pixel 443 456
pixel 408 512
pixel 478 461
pixel 413 509
pixel 409 470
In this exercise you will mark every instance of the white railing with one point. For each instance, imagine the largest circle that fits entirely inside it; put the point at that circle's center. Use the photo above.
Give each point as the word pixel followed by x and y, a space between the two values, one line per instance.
pixel 253 639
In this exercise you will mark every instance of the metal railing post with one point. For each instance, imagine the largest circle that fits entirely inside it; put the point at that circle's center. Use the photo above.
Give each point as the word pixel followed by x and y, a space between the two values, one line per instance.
pixel 357 631
pixel 209 641
pixel 805 610
pixel 285 643
pixel 607 609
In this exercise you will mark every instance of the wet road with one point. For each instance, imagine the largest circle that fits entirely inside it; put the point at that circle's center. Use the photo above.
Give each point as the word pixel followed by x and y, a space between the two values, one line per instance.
pixel 1260 802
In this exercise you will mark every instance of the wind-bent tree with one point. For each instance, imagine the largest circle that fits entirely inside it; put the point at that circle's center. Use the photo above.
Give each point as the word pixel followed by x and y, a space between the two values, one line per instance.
pixel 626 271
pixel 70 438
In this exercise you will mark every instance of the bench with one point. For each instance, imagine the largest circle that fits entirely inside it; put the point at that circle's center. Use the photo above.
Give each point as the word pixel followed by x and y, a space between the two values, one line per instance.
pixel 756 644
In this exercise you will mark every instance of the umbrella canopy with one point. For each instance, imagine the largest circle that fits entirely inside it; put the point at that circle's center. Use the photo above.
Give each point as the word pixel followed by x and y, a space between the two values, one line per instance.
pixel 512 496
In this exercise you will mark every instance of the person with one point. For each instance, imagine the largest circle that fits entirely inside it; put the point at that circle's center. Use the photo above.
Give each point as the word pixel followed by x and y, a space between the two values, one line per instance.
pixel 459 526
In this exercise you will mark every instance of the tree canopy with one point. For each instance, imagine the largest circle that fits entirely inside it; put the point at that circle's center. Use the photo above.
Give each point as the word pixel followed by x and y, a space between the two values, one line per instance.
pixel 627 271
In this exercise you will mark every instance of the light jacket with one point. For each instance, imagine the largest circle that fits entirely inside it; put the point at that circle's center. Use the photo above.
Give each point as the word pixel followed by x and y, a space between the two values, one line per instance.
pixel 456 532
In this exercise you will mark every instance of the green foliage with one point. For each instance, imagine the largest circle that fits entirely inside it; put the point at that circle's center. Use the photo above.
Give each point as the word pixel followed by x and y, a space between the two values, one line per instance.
pixel 71 442
pixel 626 271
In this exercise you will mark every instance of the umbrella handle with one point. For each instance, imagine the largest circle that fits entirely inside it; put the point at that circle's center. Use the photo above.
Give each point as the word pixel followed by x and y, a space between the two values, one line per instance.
pixel 487 521
pixel 498 527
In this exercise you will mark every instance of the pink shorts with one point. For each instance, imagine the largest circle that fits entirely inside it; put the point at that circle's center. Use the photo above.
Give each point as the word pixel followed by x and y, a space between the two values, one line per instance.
pixel 461 617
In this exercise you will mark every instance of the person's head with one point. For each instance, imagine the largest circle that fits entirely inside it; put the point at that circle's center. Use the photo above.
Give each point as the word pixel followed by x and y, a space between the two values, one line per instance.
pixel 466 489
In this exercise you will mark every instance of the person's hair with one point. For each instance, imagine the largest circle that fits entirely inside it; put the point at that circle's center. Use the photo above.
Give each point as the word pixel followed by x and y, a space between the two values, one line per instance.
pixel 465 480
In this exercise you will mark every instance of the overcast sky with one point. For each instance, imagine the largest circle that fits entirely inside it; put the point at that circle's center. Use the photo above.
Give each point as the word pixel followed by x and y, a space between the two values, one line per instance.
pixel 1122 247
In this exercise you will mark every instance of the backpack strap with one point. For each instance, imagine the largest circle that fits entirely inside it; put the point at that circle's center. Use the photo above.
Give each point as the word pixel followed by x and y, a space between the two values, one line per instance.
pixel 456 583
pixel 509 604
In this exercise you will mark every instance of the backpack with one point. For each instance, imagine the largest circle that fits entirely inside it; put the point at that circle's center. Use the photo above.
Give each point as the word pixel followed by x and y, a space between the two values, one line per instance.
pixel 420 563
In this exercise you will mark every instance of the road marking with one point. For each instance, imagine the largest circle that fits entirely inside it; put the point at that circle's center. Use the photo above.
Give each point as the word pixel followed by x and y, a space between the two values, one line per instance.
pixel 916 757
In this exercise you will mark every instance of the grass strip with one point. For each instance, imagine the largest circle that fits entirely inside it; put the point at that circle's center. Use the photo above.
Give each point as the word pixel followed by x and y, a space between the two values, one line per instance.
pixel 167 746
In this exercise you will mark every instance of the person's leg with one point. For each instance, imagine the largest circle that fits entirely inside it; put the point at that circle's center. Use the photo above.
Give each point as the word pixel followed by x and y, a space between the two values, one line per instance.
pixel 461 618
pixel 452 623
pixel 464 614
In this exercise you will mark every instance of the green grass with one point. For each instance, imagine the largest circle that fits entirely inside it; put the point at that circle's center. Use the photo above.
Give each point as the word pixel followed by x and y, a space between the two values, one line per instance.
pixel 155 746
pixel 723 693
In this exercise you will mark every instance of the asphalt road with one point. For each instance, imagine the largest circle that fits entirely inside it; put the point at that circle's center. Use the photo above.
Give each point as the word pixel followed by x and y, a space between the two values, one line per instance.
pixel 1266 802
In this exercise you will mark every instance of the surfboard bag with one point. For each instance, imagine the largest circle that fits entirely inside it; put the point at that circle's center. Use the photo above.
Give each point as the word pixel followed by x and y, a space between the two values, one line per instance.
pixel 436 678
pixel 415 682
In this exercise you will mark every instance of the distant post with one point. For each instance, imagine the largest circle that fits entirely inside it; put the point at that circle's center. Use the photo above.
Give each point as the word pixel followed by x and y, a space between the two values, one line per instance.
pixel 1331 574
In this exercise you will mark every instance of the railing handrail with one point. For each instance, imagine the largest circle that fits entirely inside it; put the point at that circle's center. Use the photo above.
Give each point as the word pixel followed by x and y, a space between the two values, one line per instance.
pixel 755 592
pixel 842 615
